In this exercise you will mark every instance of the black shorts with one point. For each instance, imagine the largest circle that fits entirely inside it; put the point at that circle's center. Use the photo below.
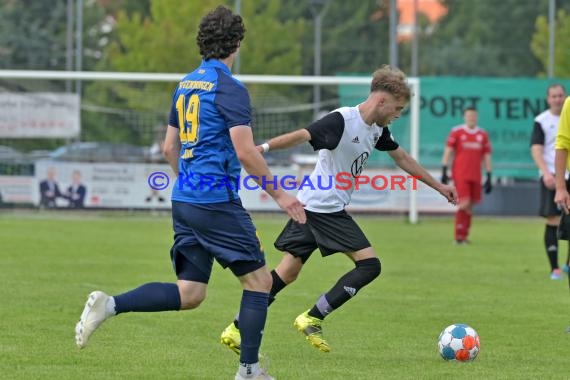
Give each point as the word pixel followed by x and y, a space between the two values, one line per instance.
pixel 329 232
pixel 547 205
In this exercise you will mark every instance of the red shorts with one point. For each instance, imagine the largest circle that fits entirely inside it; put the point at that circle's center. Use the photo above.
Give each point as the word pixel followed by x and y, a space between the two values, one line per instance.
pixel 468 190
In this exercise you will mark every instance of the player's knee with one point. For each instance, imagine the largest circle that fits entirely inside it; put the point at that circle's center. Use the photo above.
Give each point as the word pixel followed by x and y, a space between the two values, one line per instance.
pixel 265 282
pixel 258 281
pixel 190 302
pixel 369 269
pixel 191 298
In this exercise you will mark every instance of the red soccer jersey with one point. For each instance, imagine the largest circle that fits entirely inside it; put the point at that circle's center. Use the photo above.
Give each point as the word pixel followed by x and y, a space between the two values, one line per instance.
pixel 469 145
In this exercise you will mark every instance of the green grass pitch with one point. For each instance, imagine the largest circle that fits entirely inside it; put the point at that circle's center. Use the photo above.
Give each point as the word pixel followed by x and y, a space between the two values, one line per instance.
pixel 499 285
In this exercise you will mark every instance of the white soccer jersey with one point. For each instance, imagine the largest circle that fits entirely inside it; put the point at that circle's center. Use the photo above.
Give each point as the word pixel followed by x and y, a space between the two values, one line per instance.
pixel 544 133
pixel 344 142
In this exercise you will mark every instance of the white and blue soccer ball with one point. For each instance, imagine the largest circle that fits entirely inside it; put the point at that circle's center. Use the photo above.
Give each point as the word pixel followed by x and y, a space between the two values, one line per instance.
pixel 459 342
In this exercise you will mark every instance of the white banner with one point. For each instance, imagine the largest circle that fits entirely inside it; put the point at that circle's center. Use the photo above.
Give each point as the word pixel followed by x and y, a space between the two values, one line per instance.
pixel 129 186
pixel 39 115
pixel 16 189
pixel 103 185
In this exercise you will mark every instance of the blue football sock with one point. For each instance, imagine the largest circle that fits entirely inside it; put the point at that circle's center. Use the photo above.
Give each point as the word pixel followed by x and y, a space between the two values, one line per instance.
pixel 154 296
pixel 252 315
pixel 278 285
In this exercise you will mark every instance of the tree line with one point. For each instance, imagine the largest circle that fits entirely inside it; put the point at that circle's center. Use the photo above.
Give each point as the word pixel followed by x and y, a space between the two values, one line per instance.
pixel 476 38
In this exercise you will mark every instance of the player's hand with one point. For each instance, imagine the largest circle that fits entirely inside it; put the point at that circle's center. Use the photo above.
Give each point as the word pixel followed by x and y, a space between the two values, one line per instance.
pixel 562 199
pixel 444 177
pixel 449 192
pixel 259 148
pixel 488 186
pixel 549 181
pixel 292 206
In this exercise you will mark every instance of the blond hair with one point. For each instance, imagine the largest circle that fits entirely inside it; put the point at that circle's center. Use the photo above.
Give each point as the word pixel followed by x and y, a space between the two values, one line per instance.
pixel 392 81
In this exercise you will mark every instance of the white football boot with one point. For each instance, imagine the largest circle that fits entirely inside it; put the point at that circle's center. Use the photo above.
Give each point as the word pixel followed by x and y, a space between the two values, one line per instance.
pixel 94 313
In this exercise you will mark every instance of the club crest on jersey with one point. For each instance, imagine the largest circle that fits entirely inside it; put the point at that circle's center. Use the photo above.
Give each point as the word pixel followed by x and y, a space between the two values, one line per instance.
pixel 376 137
pixel 356 140
pixel 358 164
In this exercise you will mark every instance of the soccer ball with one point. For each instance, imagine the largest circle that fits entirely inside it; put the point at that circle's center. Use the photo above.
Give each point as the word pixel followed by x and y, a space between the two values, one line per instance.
pixel 458 342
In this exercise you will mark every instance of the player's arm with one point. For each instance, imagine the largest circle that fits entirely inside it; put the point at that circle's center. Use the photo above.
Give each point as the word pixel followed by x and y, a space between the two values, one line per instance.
pixel 487 185
pixel 255 165
pixel 324 133
pixel 560 162
pixel 171 148
pixel 562 146
pixel 487 162
pixel 561 197
pixel 412 167
pixel 537 151
pixel 172 145
pixel 285 141
pixel 447 153
pixel 537 154
pixel 406 162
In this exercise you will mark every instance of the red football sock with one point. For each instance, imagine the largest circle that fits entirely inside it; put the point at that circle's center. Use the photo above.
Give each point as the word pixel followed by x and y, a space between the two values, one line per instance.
pixel 468 216
pixel 461 225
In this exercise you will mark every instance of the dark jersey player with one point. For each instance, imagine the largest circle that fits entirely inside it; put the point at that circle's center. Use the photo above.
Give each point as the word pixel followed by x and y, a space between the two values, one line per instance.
pixel 208 136
pixel 344 140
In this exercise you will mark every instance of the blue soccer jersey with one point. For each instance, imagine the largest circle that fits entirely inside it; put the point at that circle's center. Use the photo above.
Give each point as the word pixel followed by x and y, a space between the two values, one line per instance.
pixel 206 104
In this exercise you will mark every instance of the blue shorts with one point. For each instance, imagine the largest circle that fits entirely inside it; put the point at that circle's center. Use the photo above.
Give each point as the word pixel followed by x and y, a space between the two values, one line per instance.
pixel 221 231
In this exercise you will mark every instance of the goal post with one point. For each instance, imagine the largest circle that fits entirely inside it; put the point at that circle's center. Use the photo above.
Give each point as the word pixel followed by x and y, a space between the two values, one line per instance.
pixel 414 142
pixel 283 80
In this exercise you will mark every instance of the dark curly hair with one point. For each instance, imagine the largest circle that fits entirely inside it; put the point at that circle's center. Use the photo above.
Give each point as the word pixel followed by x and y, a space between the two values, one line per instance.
pixel 220 33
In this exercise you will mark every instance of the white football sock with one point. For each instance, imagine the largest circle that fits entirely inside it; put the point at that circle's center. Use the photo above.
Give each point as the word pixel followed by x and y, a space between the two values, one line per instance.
pixel 249 370
pixel 110 307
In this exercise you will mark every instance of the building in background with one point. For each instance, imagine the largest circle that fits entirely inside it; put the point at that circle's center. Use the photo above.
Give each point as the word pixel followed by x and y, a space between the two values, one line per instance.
pixel 433 10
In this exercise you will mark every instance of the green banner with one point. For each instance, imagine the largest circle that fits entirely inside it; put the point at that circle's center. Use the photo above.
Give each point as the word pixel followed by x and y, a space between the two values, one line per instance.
pixel 506 107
